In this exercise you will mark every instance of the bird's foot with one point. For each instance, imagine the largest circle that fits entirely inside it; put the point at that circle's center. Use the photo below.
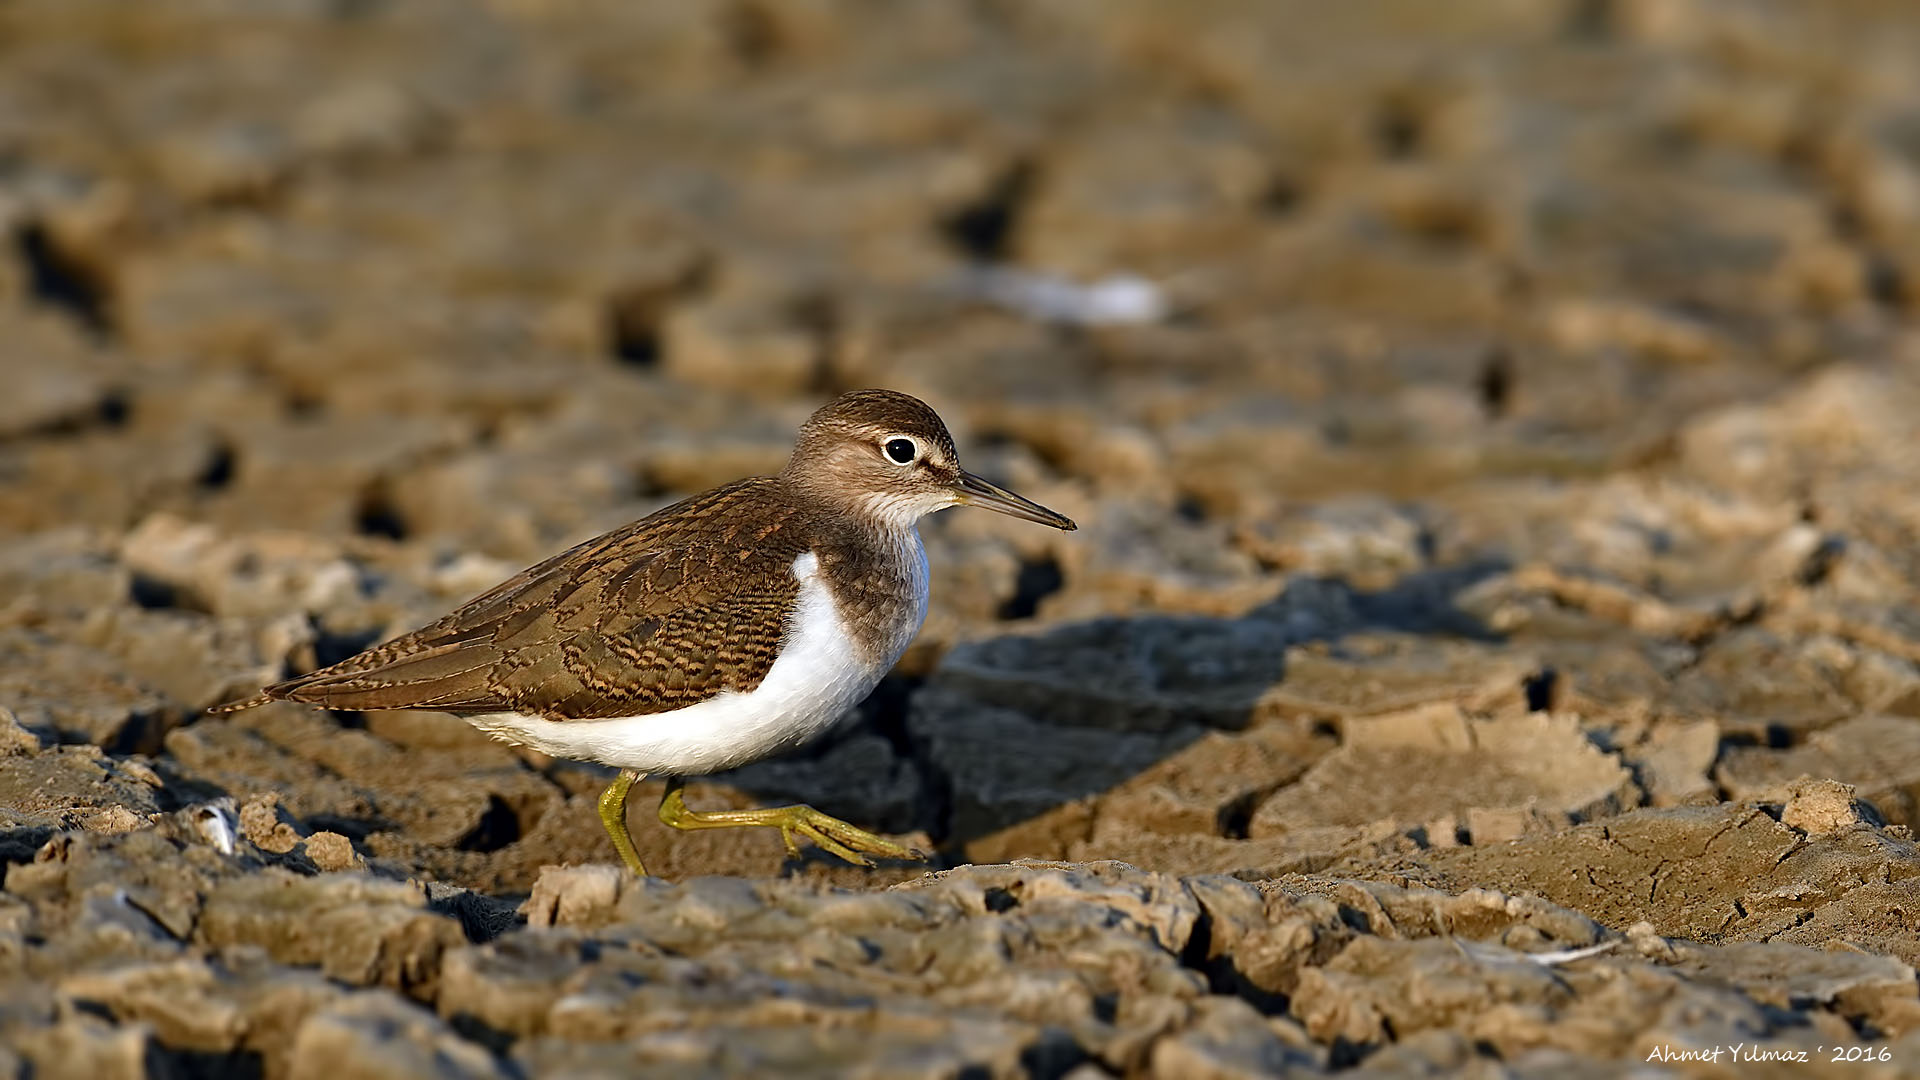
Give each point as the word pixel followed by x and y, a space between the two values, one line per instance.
pixel 829 833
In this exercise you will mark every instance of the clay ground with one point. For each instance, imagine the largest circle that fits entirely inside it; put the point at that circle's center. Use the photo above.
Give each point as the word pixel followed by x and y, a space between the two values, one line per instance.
pixel 1491 646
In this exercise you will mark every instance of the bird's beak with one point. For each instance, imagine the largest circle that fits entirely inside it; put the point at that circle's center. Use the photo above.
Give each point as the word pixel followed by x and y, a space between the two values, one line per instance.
pixel 974 491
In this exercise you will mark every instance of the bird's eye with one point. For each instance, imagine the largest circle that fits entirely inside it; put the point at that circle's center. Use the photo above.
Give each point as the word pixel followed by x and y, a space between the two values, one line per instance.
pixel 902 451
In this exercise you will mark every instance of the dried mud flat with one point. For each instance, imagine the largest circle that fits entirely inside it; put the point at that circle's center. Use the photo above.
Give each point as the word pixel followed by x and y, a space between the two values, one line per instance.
pixel 1491 646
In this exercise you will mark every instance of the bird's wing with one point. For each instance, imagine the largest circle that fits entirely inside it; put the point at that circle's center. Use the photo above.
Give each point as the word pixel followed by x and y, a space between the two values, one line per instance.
pixel 657 615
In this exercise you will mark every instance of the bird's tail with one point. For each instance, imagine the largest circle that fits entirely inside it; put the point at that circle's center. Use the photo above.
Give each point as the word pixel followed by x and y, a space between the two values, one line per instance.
pixel 242 705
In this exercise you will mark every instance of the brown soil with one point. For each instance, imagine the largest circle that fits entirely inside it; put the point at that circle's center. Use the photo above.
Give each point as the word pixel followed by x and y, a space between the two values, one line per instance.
pixel 1490 646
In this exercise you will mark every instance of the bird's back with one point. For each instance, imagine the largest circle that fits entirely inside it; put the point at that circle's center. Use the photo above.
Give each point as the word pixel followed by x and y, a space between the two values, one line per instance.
pixel 656 615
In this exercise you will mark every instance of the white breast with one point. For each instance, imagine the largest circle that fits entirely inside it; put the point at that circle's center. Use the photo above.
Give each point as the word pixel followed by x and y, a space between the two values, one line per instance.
pixel 818 676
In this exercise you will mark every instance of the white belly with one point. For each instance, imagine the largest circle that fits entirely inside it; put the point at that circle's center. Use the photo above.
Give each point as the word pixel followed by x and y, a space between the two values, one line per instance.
pixel 818 676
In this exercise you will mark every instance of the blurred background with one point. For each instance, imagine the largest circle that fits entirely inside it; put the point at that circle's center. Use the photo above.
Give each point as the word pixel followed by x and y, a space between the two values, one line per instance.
pixel 487 277
pixel 1494 429
pixel 1561 352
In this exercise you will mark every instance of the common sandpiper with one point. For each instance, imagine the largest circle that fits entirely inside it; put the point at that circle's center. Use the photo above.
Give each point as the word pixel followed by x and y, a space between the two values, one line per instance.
pixel 723 629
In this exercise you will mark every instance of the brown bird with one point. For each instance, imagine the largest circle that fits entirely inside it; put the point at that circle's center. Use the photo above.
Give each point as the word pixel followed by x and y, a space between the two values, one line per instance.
pixel 732 626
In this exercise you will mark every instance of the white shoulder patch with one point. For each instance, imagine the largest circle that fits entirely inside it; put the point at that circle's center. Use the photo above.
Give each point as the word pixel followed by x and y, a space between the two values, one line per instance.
pixel 806 567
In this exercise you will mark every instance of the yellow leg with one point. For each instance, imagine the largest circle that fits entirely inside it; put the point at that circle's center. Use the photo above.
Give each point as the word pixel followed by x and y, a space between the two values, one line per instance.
pixel 830 833
pixel 613 815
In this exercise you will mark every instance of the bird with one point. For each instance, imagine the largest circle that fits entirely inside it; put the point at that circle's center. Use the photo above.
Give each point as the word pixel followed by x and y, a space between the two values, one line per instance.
pixel 732 626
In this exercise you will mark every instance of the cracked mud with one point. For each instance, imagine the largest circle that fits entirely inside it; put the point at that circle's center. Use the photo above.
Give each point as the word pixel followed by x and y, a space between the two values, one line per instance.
pixel 1490 646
